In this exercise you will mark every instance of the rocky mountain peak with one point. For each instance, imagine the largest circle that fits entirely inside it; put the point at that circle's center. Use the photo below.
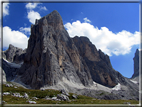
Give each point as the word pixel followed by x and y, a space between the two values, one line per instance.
pixel 50 21
pixel 54 60
pixel 136 64
pixel 11 46
pixel 52 56
pixel 14 54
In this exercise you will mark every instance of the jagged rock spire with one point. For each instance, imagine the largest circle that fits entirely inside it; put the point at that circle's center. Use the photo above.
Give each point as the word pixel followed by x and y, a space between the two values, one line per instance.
pixel 52 56
pixel 136 64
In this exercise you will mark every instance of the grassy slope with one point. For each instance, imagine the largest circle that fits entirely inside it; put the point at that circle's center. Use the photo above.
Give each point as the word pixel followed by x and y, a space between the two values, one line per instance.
pixel 9 99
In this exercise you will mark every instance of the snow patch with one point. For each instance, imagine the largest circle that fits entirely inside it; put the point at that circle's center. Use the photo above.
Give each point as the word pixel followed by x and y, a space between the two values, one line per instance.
pixel 134 81
pixel 117 87
pixel 14 65
pixel 98 86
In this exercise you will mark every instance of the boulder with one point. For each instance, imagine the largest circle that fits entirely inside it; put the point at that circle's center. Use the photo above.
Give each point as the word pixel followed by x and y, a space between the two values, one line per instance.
pixel 17 95
pixel 26 95
pixel 74 96
pixel 54 98
pixel 6 93
pixel 32 102
pixel 63 97
pixel 64 92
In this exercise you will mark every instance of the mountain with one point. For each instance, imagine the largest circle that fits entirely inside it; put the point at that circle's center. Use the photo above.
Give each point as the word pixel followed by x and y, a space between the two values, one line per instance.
pixel 14 54
pixel 12 60
pixel 135 77
pixel 54 60
pixel 136 64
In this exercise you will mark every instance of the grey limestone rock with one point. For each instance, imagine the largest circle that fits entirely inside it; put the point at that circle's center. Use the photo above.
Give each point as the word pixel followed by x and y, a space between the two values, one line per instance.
pixel 26 95
pixel 17 95
pixel 12 61
pixel 54 98
pixel 136 64
pixel 32 102
pixel 14 54
pixel 62 97
pixel 64 92
pixel 95 61
pixel 52 55
pixel 10 72
pixel 74 96
pixel 6 93
pixel 102 71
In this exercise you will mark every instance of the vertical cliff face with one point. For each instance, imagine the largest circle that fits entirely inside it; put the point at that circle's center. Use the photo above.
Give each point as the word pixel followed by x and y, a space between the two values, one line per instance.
pixel 136 64
pixel 51 56
pixel 98 63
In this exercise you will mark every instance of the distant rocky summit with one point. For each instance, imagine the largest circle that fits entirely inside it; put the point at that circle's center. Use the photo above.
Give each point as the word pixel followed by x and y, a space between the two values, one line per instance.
pixel 54 60
pixel 14 54
pixel 135 77
pixel 136 64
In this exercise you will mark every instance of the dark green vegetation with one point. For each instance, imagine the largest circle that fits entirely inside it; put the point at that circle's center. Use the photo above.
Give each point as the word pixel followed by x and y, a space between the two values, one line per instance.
pixel 9 99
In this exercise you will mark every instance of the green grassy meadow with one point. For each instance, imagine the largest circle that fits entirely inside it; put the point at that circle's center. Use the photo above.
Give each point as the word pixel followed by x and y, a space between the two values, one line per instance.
pixel 9 99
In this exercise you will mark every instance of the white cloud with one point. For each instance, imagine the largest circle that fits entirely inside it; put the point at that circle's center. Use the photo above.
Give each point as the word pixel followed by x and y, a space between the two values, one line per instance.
pixel 5 9
pixel 25 30
pixel 86 20
pixel 31 5
pixel 43 8
pixel 15 38
pixel 32 16
pixel 104 39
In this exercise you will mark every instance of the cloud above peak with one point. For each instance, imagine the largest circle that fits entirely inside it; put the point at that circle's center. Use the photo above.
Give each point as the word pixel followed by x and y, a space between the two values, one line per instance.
pixel 32 16
pixel 31 5
pixel 111 43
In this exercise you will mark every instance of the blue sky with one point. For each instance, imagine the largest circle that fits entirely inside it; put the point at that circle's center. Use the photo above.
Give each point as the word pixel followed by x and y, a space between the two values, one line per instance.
pixel 111 27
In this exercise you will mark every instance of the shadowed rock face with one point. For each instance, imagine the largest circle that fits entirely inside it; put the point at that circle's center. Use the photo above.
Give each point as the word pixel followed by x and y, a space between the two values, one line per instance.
pixel 52 55
pixel 14 54
pixel 15 57
pixel 97 62
pixel 136 64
